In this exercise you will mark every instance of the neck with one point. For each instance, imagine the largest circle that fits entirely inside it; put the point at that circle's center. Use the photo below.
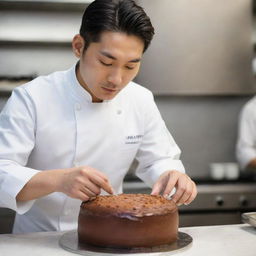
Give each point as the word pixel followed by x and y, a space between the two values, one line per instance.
pixel 83 84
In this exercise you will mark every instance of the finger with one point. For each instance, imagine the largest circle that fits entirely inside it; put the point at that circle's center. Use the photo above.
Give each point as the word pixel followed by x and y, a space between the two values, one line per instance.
pixel 89 170
pixel 172 181
pixel 108 188
pixel 193 195
pixel 99 179
pixel 180 189
pixel 101 174
pixel 102 184
pixel 157 188
pixel 95 189
pixel 87 191
pixel 187 192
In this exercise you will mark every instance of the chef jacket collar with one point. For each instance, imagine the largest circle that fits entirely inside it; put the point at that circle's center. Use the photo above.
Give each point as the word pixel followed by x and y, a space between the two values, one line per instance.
pixel 78 91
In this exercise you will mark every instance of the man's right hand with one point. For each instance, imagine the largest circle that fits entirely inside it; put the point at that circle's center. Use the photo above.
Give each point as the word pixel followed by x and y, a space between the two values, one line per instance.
pixel 79 182
pixel 83 183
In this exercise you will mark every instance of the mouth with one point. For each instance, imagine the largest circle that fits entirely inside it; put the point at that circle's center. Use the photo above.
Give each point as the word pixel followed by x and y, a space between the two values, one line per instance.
pixel 109 90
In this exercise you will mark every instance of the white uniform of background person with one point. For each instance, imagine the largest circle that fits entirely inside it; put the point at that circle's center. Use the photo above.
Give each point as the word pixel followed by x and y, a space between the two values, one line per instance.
pixel 51 123
pixel 246 143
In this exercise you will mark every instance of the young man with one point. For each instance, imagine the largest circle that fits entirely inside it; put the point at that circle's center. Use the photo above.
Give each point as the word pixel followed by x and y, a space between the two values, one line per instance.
pixel 246 141
pixel 69 136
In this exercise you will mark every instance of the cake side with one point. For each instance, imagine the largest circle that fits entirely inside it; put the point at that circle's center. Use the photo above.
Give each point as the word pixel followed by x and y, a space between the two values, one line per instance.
pixel 127 221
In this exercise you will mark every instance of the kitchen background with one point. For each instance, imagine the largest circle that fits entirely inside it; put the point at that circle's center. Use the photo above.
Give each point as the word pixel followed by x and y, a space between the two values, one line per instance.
pixel 199 66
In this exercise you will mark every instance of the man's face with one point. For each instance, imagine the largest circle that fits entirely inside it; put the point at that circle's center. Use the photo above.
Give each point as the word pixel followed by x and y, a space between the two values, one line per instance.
pixel 107 66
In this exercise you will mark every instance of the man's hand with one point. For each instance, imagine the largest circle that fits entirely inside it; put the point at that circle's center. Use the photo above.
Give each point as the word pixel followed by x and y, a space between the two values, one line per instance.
pixel 185 188
pixel 83 183
pixel 79 182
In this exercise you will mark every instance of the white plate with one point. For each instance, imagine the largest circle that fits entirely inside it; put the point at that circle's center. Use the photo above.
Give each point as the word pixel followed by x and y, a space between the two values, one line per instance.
pixel 69 242
pixel 250 218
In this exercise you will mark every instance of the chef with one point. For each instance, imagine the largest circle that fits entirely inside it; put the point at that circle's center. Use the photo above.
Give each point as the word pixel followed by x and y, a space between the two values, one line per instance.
pixel 246 142
pixel 73 134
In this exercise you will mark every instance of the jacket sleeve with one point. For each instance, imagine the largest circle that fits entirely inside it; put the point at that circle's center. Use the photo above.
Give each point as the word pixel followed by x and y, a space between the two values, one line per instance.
pixel 158 151
pixel 17 136
pixel 246 143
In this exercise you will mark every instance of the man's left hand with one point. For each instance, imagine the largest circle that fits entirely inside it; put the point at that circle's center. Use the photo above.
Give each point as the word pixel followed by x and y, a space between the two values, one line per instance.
pixel 185 188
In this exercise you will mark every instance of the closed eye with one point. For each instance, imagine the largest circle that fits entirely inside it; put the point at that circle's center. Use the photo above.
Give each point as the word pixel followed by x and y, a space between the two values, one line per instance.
pixel 130 68
pixel 110 64
pixel 105 64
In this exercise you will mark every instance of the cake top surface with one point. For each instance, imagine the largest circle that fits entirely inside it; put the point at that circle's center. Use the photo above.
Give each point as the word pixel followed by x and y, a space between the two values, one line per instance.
pixel 133 205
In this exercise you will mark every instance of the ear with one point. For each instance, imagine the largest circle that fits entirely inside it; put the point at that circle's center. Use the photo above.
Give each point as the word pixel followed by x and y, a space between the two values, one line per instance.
pixel 78 45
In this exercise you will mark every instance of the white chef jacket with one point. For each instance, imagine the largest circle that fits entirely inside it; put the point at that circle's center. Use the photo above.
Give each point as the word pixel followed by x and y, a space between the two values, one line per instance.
pixel 246 142
pixel 51 123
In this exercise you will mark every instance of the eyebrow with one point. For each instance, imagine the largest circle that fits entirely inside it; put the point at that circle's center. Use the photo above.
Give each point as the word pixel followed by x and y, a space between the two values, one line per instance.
pixel 106 54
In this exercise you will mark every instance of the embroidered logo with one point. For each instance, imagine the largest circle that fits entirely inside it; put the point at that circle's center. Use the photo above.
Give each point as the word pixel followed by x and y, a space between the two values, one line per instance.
pixel 133 139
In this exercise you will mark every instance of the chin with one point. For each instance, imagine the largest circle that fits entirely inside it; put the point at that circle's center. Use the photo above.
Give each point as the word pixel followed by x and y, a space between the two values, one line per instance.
pixel 107 97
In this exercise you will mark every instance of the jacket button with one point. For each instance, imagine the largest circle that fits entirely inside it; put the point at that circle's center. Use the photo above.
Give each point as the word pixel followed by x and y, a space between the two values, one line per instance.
pixel 77 106
pixel 76 164
pixel 66 212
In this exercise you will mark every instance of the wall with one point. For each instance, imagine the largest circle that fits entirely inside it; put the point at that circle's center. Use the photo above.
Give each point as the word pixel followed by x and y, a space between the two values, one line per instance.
pixel 205 128
pixel 199 48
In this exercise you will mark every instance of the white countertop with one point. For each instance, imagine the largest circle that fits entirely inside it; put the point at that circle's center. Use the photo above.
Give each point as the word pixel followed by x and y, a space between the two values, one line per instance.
pixel 225 240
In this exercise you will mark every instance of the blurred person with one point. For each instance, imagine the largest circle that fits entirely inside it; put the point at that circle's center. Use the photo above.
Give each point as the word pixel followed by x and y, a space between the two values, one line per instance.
pixel 246 141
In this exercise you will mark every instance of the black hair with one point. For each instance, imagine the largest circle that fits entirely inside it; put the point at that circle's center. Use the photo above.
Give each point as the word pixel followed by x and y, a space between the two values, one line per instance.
pixel 115 16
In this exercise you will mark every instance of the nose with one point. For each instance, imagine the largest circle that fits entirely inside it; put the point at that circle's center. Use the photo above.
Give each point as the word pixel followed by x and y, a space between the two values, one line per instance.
pixel 115 77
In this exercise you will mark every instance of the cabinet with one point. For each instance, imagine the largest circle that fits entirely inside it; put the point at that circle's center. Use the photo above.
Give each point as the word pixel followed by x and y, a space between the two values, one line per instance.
pixel 6 220
pixel 35 36
pixel 200 48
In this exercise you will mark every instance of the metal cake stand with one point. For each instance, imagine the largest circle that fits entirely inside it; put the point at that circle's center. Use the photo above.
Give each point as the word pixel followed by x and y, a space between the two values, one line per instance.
pixel 69 242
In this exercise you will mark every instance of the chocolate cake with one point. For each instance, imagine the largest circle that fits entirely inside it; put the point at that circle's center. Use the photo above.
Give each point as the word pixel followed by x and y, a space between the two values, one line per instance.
pixel 128 221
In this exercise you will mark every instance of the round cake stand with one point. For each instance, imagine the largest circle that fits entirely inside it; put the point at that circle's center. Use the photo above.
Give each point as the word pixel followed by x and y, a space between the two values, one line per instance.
pixel 69 242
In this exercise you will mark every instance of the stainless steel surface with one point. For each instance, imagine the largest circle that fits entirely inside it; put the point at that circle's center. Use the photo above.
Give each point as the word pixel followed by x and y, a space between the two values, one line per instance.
pixel 209 218
pixel 224 197
pixel 218 204
pixel 69 242
pixel 250 218
pixel 200 47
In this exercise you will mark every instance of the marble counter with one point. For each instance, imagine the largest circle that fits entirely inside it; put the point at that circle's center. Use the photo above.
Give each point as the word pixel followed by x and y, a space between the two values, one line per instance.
pixel 226 240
